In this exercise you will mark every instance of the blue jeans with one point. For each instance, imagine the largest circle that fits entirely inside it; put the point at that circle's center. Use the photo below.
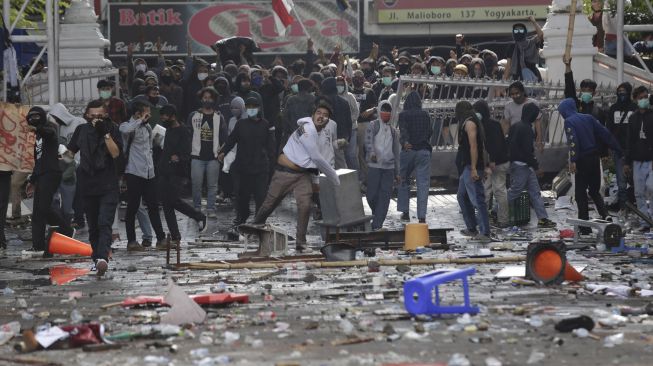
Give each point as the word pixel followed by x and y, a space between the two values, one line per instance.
pixel 643 179
pixel 199 169
pixel 471 198
pixel 379 193
pixel 351 154
pixel 420 163
pixel 144 222
pixel 523 177
pixel 622 183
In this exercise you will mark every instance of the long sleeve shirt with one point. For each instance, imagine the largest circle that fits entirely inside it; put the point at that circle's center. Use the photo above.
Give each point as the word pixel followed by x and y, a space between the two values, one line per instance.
pixel 177 143
pixel 303 150
pixel 140 161
pixel 255 146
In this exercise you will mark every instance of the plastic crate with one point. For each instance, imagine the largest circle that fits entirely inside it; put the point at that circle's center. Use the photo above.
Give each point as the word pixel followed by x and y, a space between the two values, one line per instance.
pixel 520 210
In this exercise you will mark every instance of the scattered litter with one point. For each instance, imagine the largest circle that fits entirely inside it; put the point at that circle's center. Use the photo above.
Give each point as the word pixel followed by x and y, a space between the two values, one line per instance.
pixel 613 340
pixel 458 359
pixel 492 361
pixel 8 331
pixel 571 324
pixel 49 336
pixel 535 357
pixel 580 332
pixel 231 337
pixel 183 309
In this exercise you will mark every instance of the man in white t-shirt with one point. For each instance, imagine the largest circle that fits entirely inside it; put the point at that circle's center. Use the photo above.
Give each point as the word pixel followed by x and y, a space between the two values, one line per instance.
pixel 300 160
pixel 513 110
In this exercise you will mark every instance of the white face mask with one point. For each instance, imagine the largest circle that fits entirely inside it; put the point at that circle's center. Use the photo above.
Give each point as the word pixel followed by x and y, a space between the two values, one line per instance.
pixel 252 112
pixel 341 89
pixel 202 75
pixel 141 67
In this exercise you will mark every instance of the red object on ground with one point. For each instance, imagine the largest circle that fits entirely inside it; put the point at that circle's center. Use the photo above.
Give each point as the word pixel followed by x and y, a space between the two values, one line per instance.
pixel 200 299
pixel 81 335
pixel 567 233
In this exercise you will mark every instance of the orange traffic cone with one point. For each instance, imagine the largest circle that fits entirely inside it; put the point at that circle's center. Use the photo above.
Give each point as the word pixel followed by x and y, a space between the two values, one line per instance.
pixel 571 274
pixel 61 244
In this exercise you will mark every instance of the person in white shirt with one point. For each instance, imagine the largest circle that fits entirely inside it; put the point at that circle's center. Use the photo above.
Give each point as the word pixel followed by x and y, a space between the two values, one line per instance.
pixel 301 159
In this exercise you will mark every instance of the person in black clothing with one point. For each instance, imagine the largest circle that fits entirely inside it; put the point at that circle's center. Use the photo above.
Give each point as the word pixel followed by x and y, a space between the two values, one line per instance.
pixel 617 123
pixel 256 149
pixel 5 187
pixel 639 152
pixel 497 165
pixel 270 91
pixel 471 193
pixel 45 180
pixel 341 115
pixel 99 144
pixel 523 55
pixel 523 164
pixel 173 169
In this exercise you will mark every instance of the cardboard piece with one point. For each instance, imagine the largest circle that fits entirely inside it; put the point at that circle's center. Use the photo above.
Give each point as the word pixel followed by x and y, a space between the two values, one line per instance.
pixel 183 309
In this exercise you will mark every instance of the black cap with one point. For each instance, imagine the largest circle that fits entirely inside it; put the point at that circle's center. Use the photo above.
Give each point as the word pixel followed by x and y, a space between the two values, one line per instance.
pixel 252 101
pixel 105 83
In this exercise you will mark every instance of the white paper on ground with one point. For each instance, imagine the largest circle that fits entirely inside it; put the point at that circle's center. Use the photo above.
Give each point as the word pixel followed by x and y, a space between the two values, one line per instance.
pixel 47 337
pixel 520 271
pixel 183 310
pixel 564 202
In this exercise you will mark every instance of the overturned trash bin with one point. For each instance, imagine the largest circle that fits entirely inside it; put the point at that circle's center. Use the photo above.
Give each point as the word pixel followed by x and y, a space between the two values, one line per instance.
pixel 422 295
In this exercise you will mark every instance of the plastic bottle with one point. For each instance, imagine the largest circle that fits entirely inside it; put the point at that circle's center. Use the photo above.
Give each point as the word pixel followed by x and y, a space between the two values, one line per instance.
pixel 199 353
pixel 458 359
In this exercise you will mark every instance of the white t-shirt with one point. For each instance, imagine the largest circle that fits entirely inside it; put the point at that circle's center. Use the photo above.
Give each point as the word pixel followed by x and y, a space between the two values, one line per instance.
pixel 304 149
pixel 512 111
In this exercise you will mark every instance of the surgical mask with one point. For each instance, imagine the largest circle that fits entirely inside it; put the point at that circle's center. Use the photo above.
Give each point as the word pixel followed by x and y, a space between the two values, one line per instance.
pixel 622 97
pixel 387 80
pixel 649 44
pixel 141 67
pixel 643 103
pixel 479 116
pixel 105 94
pixel 208 104
pixel 385 116
pixel 294 88
pixel 341 89
pixel 436 70
pixel 202 75
pixel 252 112
pixel 586 97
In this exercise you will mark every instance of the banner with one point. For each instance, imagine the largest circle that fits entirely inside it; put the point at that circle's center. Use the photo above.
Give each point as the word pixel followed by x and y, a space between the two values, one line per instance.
pixel 16 141
pixel 203 23
pixel 442 11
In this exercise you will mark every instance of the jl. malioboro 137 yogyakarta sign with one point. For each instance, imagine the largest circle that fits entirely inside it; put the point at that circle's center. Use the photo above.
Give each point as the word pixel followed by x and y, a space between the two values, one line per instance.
pixel 204 23
pixel 440 11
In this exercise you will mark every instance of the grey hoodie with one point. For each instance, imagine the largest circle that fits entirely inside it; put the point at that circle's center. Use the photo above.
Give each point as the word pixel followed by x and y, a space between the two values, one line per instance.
pixel 385 159
pixel 70 122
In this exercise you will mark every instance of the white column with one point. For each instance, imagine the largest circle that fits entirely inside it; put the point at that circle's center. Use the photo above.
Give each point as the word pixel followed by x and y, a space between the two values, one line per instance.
pixel 555 38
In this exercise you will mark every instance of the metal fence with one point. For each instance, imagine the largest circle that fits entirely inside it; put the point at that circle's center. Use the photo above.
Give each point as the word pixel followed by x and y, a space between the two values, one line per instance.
pixel 441 94
pixel 77 88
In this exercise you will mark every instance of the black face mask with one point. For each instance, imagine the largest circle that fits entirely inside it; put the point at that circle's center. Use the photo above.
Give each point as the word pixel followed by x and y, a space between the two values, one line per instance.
pixel 222 89
pixel 358 82
pixel 153 100
pixel 167 79
pixel 368 72
pixel 623 97
pixel 403 69
pixel 518 37
pixel 208 104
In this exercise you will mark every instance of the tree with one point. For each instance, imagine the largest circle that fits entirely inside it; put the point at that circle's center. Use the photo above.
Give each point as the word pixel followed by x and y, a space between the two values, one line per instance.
pixel 34 12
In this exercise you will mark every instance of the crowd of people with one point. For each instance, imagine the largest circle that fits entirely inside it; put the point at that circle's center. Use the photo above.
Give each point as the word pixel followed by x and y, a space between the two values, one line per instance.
pixel 242 130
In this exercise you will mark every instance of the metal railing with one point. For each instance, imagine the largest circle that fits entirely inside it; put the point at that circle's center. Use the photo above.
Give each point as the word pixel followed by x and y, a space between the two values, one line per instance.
pixel 441 94
pixel 76 88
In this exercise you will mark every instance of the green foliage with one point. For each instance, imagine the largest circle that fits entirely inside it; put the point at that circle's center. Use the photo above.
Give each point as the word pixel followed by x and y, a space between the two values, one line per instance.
pixel 34 12
pixel 636 13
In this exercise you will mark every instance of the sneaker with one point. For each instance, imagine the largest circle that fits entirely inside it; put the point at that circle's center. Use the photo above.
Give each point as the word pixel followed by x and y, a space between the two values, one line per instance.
pixel 467 232
pixel 31 253
pixel 405 216
pixel 146 243
pixel 212 214
pixel 133 246
pixel 546 224
pixel 301 247
pixel 483 238
pixel 101 265
pixel 202 226
pixel 123 204
pixel 162 244
pixel 644 229
pixel 422 221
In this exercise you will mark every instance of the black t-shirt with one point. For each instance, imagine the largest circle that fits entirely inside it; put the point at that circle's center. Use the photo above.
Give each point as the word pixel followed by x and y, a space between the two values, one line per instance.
pixel 464 149
pixel 206 138
pixel 46 146
pixel 97 171
pixel 366 99
pixel 177 143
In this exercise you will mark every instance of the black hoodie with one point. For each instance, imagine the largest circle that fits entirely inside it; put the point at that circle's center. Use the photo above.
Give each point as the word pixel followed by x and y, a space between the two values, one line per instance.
pixel 521 137
pixel 341 111
pixel 495 141
pixel 617 118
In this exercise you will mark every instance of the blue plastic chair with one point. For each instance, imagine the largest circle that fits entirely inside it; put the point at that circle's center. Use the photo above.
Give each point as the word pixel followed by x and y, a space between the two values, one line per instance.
pixel 424 285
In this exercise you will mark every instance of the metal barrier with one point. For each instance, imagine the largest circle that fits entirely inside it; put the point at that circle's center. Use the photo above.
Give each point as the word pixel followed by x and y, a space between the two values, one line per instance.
pixel 77 88
pixel 441 94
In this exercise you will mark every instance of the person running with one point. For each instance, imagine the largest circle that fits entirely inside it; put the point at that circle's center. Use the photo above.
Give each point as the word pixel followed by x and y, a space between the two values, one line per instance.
pixel 99 144
pixel 173 168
